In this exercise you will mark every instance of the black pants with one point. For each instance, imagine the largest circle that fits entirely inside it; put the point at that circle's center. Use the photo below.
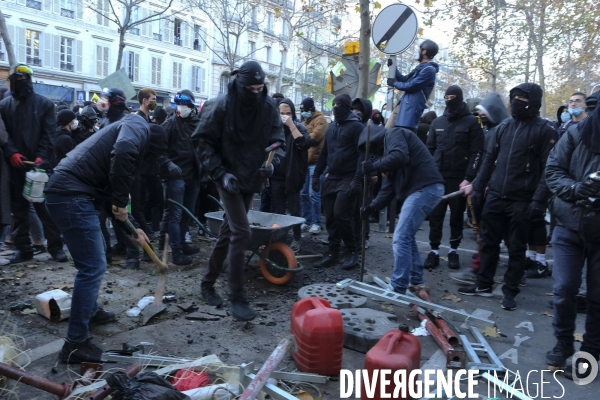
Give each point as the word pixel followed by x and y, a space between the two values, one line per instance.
pixel 283 201
pixel 153 201
pixel 458 206
pixel 137 203
pixel 503 217
pixel 339 208
pixel 19 208
pixel 234 236
pixel 358 219
pixel 266 199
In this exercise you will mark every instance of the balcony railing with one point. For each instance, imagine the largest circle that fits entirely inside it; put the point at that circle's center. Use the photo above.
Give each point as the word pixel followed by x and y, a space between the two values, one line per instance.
pixel 35 61
pixel 157 36
pixel 36 5
pixel 66 66
pixel 67 13
pixel 177 41
pixel 134 31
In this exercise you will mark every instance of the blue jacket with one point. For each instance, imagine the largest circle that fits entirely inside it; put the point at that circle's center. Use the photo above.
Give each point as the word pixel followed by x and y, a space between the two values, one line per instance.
pixel 417 87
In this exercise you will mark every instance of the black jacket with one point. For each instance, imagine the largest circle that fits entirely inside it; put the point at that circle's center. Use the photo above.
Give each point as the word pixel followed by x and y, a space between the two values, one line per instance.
pixel 456 143
pixel 179 147
pixel 407 164
pixel 377 139
pixel 219 153
pixel 31 127
pixel 513 168
pixel 569 162
pixel 64 144
pixel 103 165
pixel 340 151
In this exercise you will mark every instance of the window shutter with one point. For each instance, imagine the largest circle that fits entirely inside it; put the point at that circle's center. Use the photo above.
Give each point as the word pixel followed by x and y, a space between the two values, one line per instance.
pixel 56 48
pixel 168 31
pixel 143 13
pixel 136 74
pixel 203 36
pixel 79 56
pixel 48 5
pixel 125 61
pixel 153 71
pixel 79 9
pixel 180 74
pixel 202 80
pixel 22 42
pixel 99 60
pixel 106 60
pixel 186 35
pixel 175 75
pixel 56 7
pixel 47 60
pixel 194 78
pixel 159 72
pixel 100 7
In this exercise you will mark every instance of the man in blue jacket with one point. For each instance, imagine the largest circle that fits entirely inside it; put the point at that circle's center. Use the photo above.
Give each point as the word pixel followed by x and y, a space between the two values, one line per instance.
pixel 417 86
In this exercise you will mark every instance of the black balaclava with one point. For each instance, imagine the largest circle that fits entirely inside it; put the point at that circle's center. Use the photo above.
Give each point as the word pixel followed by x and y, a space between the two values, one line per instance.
pixel 20 89
pixel 523 110
pixel 456 103
pixel 592 101
pixel 244 108
pixel 590 131
pixel 344 108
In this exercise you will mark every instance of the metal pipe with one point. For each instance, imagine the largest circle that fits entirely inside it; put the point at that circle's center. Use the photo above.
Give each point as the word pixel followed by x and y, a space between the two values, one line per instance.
pixel 106 390
pixel 58 389
pixel 434 331
pixel 441 323
pixel 267 369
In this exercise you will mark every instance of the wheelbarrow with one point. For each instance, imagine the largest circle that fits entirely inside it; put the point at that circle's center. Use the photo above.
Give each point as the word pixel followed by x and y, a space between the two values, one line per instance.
pixel 277 262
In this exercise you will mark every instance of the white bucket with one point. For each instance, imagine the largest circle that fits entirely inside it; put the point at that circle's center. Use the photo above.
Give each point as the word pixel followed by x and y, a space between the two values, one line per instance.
pixel 54 304
pixel 35 182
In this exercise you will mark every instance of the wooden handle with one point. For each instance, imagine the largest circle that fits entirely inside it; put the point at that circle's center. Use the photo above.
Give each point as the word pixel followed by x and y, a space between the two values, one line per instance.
pixel 161 266
pixel 454 194
pixel 270 158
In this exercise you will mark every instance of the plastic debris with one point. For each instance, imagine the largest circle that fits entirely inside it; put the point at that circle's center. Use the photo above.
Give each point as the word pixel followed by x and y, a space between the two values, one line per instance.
pixel 143 303
pixel 421 330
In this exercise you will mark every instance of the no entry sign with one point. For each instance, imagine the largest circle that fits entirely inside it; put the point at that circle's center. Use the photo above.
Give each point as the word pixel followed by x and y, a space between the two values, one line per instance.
pixel 395 29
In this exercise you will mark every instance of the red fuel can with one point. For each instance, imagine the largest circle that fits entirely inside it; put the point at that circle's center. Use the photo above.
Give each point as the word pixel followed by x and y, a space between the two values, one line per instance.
pixel 319 333
pixel 396 350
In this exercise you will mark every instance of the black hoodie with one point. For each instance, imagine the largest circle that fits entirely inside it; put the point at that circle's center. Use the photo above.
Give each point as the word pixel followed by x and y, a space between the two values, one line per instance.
pixel 365 106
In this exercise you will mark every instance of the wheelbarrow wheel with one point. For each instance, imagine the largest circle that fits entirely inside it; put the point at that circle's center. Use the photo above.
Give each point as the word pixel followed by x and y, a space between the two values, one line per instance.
pixel 283 256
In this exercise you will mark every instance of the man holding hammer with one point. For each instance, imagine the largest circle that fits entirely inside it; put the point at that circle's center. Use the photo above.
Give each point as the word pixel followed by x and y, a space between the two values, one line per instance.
pixel 233 132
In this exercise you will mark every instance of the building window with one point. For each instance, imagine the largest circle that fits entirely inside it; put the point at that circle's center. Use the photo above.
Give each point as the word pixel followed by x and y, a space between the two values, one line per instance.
pixel 199 38
pixel 223 84
pixel 156 71
pixel 157 29
pixel 36 5
pixel 102 53
pixel 104 7
pixel 177 67
pixel 270 22
pixel 199 79
pixel 32 44
pixel 66 54
pixel 177 32
pixel 133 18
pixel 268 54
pixel 67 8
pixel 133 64
pixel 252 48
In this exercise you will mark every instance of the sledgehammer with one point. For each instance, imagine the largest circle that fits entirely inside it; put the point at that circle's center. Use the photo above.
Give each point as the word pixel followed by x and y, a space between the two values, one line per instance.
pixel 271 150
pixel 454 194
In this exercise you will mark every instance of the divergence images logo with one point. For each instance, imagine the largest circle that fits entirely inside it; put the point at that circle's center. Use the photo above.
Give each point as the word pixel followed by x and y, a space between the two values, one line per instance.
pixel 585 368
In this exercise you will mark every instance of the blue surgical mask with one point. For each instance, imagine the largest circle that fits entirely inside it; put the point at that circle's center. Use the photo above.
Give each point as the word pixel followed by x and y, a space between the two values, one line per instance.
pixel 565 117
pixel 306 114
pixel 575 111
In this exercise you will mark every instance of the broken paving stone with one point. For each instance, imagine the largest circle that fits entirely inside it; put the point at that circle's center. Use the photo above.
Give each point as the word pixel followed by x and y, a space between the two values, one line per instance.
pixel 200 316
pixel 20 274
pixel 452 297
pixel 490 331
pixel 187 307
pixel 547 314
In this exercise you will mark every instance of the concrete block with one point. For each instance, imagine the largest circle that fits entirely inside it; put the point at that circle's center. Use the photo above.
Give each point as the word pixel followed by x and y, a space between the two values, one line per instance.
pixel 335 296
pixel 363 327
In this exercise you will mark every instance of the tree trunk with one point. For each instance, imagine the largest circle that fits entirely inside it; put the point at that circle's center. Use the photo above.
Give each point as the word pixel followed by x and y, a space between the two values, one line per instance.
pixel 540 58
pixel 12 60
pixel 364 58
pixel 283 64
pixel 121 48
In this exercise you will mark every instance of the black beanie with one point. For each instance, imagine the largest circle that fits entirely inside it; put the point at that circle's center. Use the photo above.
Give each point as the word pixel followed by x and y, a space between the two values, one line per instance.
pixel 344 100
pixel 308 104
pixel 456 91
pixel 64 117
pixel 160 112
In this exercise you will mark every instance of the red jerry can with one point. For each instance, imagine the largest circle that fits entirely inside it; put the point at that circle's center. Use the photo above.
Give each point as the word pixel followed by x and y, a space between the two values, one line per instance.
pixel 319 333
pixel 396 350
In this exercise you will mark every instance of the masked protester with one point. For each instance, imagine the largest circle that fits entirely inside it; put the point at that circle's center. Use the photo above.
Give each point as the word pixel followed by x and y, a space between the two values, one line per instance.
pixel 112 103
pixel 576 110
pixel 67 124
pixel 562 116
pixel 30 122
pixel 88 121
pixel 98 171
pixel 591 102
pixel 417 85
pixel 425 124
pixel 159 115
pixel 513 173
pixel 180 171
pixel 343 182
pixel 233 133
pixel 147 100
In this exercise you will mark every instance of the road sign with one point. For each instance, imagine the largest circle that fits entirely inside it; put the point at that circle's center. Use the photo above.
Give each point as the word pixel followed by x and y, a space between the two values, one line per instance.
pixel 395 29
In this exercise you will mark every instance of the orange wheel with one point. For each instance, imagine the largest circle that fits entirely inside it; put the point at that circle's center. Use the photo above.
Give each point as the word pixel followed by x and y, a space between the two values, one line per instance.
pixel 283 256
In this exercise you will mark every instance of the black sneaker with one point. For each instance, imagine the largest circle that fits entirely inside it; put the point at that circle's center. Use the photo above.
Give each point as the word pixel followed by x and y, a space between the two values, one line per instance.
pixel 351 261
pixel 211 296
pixel 181 259
pixel 59 256
pixel 102 317
pixel 132 263
pixel 453 260
pixel 85 351
pixel 557 357
pixel 21 256
pixel 539 270
pixel 328 261
pixel 473 290
pixel 241 311
pixel 38 249
pixel 529 263
pixel 189 249
pixel 432 261
pixel 509 303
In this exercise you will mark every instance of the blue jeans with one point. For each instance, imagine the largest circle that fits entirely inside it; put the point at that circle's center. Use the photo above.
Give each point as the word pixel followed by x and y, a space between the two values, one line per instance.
pixel 408 267
pixel 79 222
pixel 570 254
pixel 311 200
pixel 184 192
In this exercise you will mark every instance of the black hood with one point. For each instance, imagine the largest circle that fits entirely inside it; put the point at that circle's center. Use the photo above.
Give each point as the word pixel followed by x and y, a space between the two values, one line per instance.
pixel 533 92
pixel 590 131
pixel 365 106
pixel 493 107
pixel 457 113
pixel 428 117
pixel 290 103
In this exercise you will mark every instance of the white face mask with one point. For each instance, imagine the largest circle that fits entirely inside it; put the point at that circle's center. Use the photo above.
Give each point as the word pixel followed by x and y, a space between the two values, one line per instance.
pixel 103 105
pixel 74 124
pixel 417 55
pixel 183 111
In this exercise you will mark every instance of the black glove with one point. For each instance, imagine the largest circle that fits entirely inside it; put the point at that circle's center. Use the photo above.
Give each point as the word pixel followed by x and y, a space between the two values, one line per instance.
pixel 390 62
pixel 354 188
pixel 316 184
pixel 588 188
pixel 266 172
pixel 230 183
pixel 368 167
pixel 536 212
pixel 390 82
pixel 173 171
pixel 477 198
pixel 367 211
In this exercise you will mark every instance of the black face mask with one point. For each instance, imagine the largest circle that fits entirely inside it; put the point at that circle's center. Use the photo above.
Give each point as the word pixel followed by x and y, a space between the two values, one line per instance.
pixel 454 104
pixel 519 109
pixel 21 88
pixel 484 119
pixel 376 120
pixel 341 113
pixel 248 97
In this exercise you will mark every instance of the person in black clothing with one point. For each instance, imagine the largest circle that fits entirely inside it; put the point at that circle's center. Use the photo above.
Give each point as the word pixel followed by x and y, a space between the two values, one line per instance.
pixel 30 122
pixel 424 125
pixel 87 124
pixel 513 172
pixel 412 177
pixel 159 115
pixel 112 102
pixel 363 108
pixel 181 174
pixel 343 181
pixel 98 171
pixel 233 133
pixel 147 100
pixel 67 123
pixel 456 142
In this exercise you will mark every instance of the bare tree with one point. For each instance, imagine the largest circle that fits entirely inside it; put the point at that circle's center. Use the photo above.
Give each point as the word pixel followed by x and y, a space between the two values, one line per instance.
pixel 12 60
pixel 364 57
pixel 126 15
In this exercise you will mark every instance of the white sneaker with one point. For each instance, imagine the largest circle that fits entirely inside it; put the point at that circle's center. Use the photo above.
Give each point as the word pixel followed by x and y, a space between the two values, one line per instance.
pixel 304 227
pixel 315 229
pixel 295 246
pixel 4 261
pixel 188 237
